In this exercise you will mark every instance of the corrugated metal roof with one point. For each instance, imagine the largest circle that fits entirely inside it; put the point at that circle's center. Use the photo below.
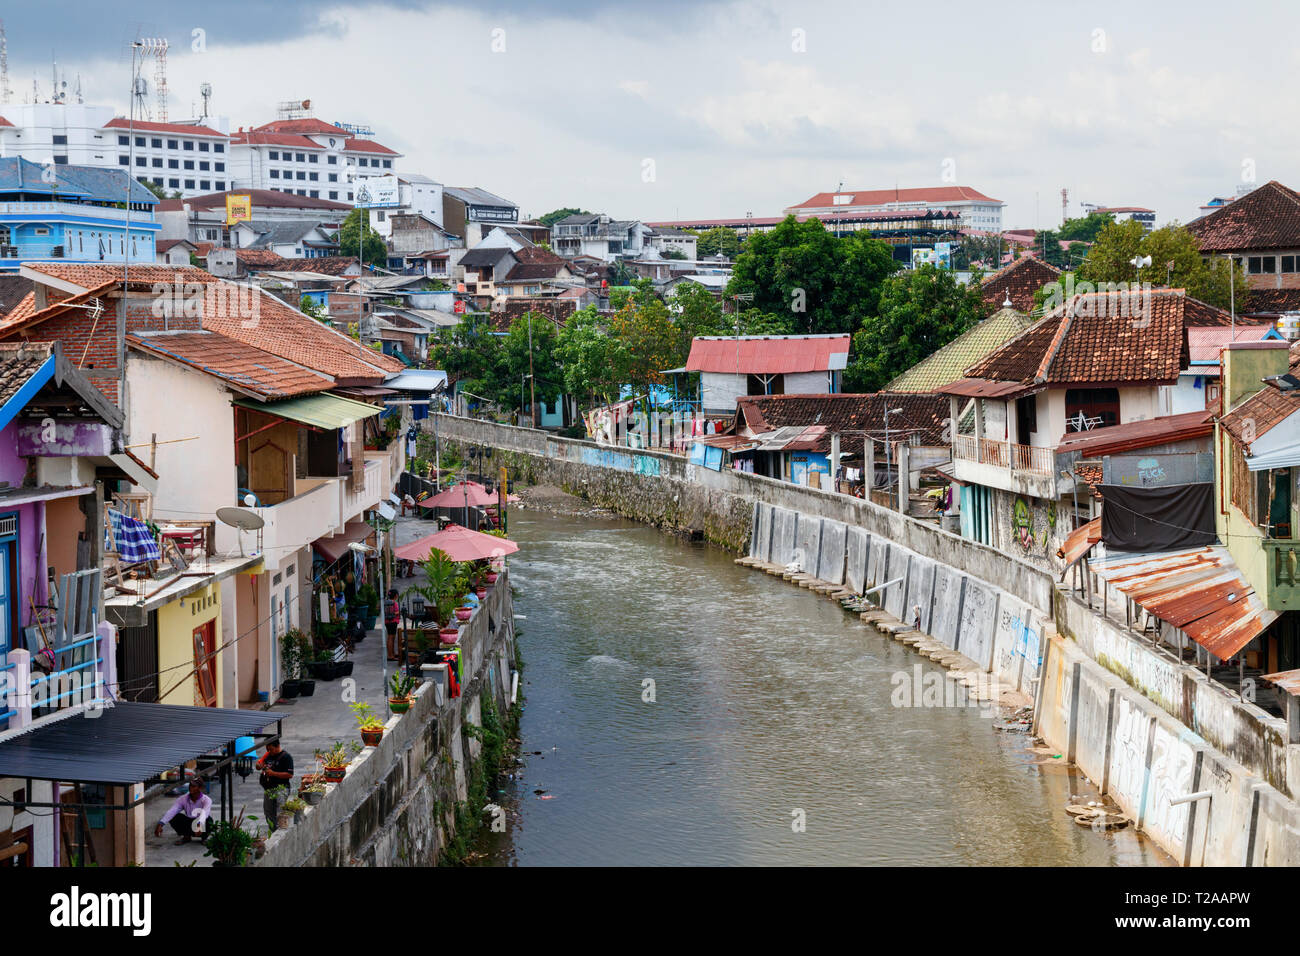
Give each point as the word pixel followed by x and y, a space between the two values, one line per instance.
pixel 1287 681
pixel 1134 435
pixel 322 411
pixel 127 742
pixel 986 388
pixel 768 355
pixel 1079 542
pixel 1198 590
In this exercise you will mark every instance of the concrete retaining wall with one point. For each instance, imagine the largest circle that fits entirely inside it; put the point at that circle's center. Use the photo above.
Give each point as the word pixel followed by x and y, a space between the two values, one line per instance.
pixel 396 806
pixel 1141 757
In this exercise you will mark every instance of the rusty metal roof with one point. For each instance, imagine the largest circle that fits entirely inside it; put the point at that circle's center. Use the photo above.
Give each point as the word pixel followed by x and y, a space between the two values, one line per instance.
pixel 731 443
pixel 1078 543
pixel 1286 681
pixel 1198 590
pixel 986 388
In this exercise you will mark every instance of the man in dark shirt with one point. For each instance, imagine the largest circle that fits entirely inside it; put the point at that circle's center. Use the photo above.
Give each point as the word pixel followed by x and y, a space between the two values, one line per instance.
pixel 277 771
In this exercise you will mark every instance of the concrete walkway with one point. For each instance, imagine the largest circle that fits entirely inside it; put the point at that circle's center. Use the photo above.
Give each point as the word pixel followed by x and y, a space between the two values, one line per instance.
pixel 310 723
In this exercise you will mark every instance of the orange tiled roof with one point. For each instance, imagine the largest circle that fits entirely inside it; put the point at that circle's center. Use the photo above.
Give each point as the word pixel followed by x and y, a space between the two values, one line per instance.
pixel 1265 218
pixel 1018 281
pixel 249 369
pixel 90 276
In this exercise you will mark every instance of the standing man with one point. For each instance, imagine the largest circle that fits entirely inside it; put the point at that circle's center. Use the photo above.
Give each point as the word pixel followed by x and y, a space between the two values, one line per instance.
pixel 392 616
pixel 189 814
pixel 277 771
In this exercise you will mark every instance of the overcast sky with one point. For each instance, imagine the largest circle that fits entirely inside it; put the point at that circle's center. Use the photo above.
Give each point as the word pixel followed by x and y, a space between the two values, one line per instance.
pixel 672 109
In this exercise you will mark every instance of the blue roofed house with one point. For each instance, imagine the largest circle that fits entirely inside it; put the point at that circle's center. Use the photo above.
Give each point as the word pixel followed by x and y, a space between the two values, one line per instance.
pixel 72 214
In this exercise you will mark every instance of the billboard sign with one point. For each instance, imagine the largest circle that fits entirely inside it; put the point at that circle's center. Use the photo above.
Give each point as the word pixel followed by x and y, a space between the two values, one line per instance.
pixel 378 192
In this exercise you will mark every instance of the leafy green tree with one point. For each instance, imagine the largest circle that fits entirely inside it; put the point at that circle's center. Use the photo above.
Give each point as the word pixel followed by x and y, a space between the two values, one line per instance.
pixel 697 311
pixel 307 307
pixel 160 191
pixel 471 355
pixel 648 341
pixel 356 238
pixel 825 283
pixel 532 334
pixel 919 312
pixel 555 215
pixel 672 254
pixel 1176 262
pixel 586 354
pixel 711 242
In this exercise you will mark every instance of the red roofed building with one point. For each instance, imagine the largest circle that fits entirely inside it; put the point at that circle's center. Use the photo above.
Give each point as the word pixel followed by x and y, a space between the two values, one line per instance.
pixel 735 366
pixel 189 157
pixel 307 157
pixel 976 210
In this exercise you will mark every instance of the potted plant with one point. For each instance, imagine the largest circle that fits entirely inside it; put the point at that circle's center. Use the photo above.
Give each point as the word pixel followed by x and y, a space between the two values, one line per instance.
pixel 229 843
pixel 399 692
pixel 372 728
pixel 368 600
pixel 313 792
pixel 259 841
pixel 464 612
pixel 335 760
pixel 297 806
pixel 294 647
pixel 443 586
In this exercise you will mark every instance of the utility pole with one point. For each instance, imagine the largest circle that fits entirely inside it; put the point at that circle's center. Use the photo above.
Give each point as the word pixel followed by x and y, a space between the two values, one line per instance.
pixel 532 382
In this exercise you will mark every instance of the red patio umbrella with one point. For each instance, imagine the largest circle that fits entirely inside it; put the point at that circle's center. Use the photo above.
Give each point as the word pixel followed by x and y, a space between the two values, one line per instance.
pixel 459 544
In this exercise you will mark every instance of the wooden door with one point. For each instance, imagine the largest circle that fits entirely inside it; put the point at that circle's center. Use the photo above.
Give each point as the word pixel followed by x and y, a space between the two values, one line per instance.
pixel 205 664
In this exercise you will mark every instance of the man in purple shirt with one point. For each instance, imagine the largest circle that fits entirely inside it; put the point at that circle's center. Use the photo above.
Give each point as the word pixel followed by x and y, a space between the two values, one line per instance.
pixel 190 808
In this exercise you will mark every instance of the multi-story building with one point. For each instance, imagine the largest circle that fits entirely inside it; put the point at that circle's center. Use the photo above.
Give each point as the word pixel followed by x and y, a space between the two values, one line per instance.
pixel 599 236
pixel 1098 363
pixel 417 195
pixel 974 209
pixel 186 157
pixel 74 214
pixel 1124 214
pixel 306 157
pixel 470 213
pixel 202 219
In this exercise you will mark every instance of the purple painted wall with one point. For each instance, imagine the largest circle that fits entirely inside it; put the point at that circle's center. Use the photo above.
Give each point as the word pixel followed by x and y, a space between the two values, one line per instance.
pixel 32 560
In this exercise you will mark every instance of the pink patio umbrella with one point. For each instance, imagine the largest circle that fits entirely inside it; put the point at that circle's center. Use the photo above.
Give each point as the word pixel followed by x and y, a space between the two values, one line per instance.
pixel 459 544
pixel 469 494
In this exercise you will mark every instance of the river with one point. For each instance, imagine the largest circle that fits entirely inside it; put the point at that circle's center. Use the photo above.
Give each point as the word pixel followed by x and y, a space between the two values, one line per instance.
pixel 771 737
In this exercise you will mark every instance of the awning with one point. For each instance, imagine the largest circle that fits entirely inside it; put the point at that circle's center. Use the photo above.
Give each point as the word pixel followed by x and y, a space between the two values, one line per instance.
pixel 322 410
pixel 418 380
pixel 127 743
pixel 1078 543
pixel 987 388
pixel 139 473
pixel 1286 681
pixel 337 546
pixel 1198 590
pixel 402 357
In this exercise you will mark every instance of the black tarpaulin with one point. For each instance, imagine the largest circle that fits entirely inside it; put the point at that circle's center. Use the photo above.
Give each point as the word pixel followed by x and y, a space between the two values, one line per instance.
pixel 1164 518
pixel 127 743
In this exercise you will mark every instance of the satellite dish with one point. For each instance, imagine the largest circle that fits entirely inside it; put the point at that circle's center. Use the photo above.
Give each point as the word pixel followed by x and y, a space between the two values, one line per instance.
pixel 241 519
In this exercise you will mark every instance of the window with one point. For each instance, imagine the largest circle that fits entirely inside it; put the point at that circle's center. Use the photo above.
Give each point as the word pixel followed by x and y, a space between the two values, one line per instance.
pixel 204 146
pixel 388 164
pixel 139 141
pixel 275 174
pixel 302 192
pixel 218 147
pixel 313 176
pixel 363 161
pixel 189 184
pixel 1289 263
pixel 1088 408
pixel 299 157
pixel 204 165
pixel 205 184
pixel 274 154
pixel 156 143
pixel 157 162
pixel 1258 265
pixel 189 164
pixel 221 185
pixel 334 177
pixel 60 140
pixel 124 141
pixel 332 160
pixel 219 167
pixel 301 174
pixel 173 144
pixel 61 160
pixel 313 158
pixel 141 161
pixel 315 194
pixel 174 183
pixel 334 194
pixel 124 160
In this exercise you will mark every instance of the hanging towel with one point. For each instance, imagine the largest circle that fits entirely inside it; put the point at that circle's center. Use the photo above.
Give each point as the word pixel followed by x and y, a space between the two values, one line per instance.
pixel 131 539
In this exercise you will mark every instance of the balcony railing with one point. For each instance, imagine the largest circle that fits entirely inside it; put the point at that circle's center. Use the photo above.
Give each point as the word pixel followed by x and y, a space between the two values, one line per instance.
pixel 1032 459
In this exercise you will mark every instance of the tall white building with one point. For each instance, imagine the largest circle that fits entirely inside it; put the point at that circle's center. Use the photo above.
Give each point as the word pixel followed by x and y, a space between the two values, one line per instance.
pixel 190 157
pixel 416 195
pixel 306 157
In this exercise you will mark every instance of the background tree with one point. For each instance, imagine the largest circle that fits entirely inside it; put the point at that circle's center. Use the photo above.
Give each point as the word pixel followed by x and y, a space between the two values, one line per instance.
pixel 586 355
pixel 711 242
pixel 1176 262
pixel 919 312
pixel 648 340
pixel 672 254
pixel 535 334
pixel 696 311
pixel 307 307
pixel 555 215
pixel 356 238
pixel 471 355
pixel 825 283
pixel 159 190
